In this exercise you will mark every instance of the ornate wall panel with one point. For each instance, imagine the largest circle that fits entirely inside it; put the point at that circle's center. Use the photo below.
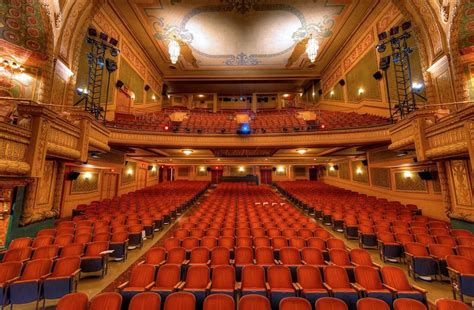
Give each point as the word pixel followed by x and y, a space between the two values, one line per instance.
pixel 85 185
pixel 360 78
pixel 443 85
pixel 344 172
pixel 183 171
pixel 299 171
pixel 412 184
pixel 46 185
pixel 129 172
pixel 461 183
pixel 380 177
pixel 359 172
pixel 437 185
pixel 332 172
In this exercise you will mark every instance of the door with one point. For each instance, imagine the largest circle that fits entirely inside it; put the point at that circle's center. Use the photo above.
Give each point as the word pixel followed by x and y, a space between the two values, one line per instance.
pixel 142 178
pixel 313 174
pixel 216 176
pixel 161 171
pixel 266 176
pixel 109 188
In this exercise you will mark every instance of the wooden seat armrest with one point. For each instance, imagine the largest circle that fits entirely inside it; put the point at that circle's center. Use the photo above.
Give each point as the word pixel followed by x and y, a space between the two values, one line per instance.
pixel 419 289
pixel 122 286
pixel 300 288
pixel 186 262
pixel 329 288
pixel 181 285
pixel 209 285
pixel 238 286
pixel 267 286
pixel 304 262
pixel 12 280
pixel 140 262
pixel 149 286
pixel 389 287
pixel 45 276
pixel 296 287
pixel 357 287
pixel 377 265
pixel 177 286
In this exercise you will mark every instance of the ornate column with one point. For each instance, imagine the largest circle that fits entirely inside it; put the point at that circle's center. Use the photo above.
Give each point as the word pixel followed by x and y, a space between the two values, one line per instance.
pixel 443 181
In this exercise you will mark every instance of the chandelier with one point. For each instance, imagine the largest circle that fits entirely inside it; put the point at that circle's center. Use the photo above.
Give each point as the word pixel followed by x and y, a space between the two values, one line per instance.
pixel 312 48
pixel 174 50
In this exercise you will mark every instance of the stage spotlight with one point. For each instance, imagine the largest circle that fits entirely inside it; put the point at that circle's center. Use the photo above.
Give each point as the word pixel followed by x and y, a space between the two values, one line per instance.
pixel 114 52
pixel 408 50
pixel 100 61
pixel 103 36
pixel 110 65
pixel 385 63
pixel 406 25
pixel 113 41
pixel 381 48
pixel 382 36
pixel 394 30
pixel 396 57
pixel 92 32
pixel 377 75
pixel 395 40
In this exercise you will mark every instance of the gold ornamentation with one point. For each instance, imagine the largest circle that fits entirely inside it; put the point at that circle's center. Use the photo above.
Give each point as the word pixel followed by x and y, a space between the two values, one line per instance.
pixel 461 183
pixel 380 177
pixel 412 184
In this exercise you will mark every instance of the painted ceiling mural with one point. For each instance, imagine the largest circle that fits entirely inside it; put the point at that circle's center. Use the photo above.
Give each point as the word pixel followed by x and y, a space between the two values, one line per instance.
pixel 226 34
pixel 22 25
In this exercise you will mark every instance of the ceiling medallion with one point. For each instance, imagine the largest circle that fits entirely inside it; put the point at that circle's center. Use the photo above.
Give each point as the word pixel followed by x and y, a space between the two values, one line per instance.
pixel 242 6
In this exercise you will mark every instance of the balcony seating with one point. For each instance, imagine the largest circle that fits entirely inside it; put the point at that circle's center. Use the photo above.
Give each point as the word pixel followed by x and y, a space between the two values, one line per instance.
pixel 141 280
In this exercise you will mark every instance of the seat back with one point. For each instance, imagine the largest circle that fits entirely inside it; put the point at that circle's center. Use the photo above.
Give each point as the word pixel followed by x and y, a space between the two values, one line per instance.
pixel 361 257
pixel 19 243
pixel 253 276
pixel 253 302
pixel 309 277
pixel 9 271
pixel 220 256
pixel 76 301
pixel 35 269
pixel 330 303
pixel 339 257
pixel 408 303
pixel 168 276
pixel 466 251
pixel 197 277
pixel 334 243
pixel 42 241
pixel 47 251
pixel 95 248
pixel 396 278
pixel 290 256
pixel 243 256
pixel 106 301
pixel 142 275
pixel 336 277
pixel 368 277
pixel 312 256
pixel 180 301
pixel 372 304
pixel 294 303
pixel 218 302
pixel 66 266
pixel 416 249
pixel 73 249
pixel 461 264
pixel 155 255
pixel 223 277
pixel 279 277
pixel 449 304
pixel 199 256
pixel 176 256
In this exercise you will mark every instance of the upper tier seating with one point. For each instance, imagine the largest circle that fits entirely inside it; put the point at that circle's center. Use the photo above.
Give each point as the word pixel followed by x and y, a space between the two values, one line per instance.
pixel 262 122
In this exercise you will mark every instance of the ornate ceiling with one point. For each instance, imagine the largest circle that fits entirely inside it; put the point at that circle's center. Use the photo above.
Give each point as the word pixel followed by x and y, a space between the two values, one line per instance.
pixel 232 39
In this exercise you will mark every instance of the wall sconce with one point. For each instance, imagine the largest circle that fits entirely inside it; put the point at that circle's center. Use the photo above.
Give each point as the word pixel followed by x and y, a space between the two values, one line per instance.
pixel 331 168
pixel 301 151
pixel 132 96
pixel 241 169
pixel 153 168
pixel 331 93
pixel 361 91
pixel 87 176
pixel 129 171
pixel 82 91
pixel 153 98
pixel 202 169
pixel 359 171
pixel 281 169
pixel 407 174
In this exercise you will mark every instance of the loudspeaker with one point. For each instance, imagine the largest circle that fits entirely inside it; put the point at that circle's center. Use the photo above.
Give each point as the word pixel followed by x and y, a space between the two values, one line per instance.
pixel 365 162
pixel 119 84
pixel 336 167
pixel 342 82
pixel 208 169
pixel 147 87
pixel 150 168
pixel 377 75
pixel 324 168
pixel 73 175
pixel 320 92
pixel 427 175
pixel 274 169
pixel 126 162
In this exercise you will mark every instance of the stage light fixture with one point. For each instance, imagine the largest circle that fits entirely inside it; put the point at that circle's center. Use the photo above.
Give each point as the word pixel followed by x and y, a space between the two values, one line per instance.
pixel 92 32
pixel 103 36
pixel 381 48
pixel 382 36
pixel 394 30
pixel 113 41
pixel 377 75
pixel 406 25
pixel 385 63
pixel 114 52
pixel 110 65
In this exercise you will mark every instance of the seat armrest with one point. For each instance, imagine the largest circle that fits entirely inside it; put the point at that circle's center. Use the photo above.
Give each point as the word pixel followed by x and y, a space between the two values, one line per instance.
pixel 186 262
pixel 267 286
pixel 140 262
pixel 354 264
pixel 231 261
pixel 377 265
pixel 389 287
pixel 419 289
pixel 181 285
pixel 209 285
pixel 11 280
pixel 277 262
pixel 296 287
pixel 329 288
pixel 300 288
pixel 177 285
pixel 122 286
pixel 357 287
pixel 149 286
pixel 45 276
pixel 304 262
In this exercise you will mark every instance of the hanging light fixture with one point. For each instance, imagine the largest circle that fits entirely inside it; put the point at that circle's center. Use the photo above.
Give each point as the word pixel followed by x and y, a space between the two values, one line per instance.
pixel 174 50
pixel 312 48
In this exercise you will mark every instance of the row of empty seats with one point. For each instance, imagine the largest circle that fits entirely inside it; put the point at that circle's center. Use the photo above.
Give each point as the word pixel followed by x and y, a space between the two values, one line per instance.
pixel 187 301
pixel 51 264
pixel 430 248
pixel 263 122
